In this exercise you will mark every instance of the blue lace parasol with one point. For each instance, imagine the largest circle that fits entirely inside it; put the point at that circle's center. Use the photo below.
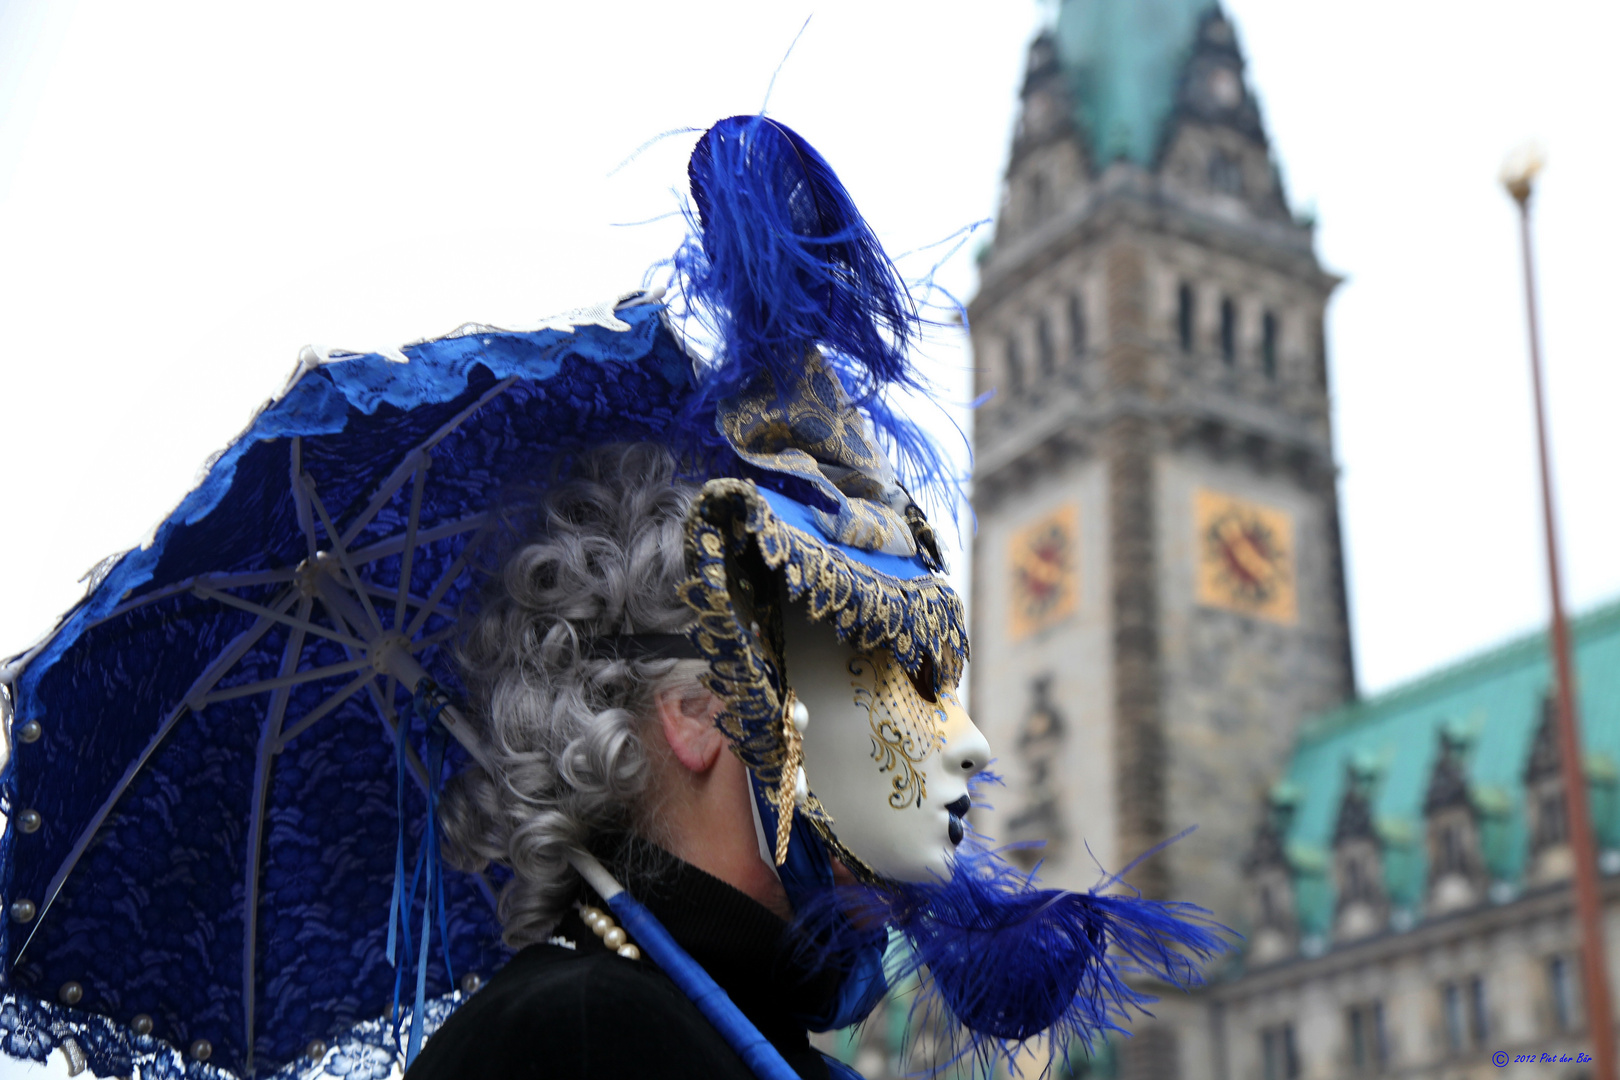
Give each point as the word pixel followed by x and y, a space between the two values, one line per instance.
pixel 204 824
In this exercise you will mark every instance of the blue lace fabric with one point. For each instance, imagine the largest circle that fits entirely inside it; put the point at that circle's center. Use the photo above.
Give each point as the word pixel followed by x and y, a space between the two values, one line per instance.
pixel 32 1030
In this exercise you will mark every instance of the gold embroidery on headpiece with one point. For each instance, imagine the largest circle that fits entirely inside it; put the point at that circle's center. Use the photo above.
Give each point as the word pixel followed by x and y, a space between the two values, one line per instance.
pixel 813 432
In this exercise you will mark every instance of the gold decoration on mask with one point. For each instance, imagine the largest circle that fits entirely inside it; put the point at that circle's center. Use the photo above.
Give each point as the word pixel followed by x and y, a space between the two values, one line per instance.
pixel 908 618
pixel 785 802
pixel 906 730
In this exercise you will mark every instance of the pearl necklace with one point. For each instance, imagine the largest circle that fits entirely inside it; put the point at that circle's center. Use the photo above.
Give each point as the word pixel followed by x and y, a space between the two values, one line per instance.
pixel 612 935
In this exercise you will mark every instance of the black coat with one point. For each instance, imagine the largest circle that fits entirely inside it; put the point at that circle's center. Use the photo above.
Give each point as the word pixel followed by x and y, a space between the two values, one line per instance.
pixel 586 1013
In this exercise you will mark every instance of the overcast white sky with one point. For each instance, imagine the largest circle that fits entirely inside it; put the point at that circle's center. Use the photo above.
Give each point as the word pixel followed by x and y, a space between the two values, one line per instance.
pixel 190 192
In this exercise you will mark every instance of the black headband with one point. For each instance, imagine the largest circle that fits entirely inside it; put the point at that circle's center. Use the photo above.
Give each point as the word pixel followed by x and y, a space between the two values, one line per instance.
pixel 642 647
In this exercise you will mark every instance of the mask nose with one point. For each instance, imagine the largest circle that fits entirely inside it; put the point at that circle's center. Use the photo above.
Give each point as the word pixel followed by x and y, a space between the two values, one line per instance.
pixel 967 751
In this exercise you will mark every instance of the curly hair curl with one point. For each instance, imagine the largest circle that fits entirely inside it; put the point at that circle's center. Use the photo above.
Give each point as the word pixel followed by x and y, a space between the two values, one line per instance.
pixel 567 765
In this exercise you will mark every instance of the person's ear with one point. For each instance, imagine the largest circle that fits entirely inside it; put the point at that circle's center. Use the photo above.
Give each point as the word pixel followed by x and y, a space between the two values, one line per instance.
pixel 686 717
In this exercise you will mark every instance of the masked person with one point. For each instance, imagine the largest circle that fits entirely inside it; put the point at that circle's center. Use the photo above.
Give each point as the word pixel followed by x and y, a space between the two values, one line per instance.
pixel 714 677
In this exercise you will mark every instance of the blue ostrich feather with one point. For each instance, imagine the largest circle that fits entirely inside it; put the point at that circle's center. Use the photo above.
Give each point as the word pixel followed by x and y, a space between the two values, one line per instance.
pixel 780 261
pixel 1000 960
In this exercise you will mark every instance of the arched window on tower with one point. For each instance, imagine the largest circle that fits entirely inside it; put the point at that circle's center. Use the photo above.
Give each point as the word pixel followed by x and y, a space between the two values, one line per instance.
pixel 1228 331
pixel 1268 345
pixel 1046 354
pixel 1035 210
pixel 1015 365
pixel 1077 325
pixel 1319 343
pixel 1225 173
pixel 1185 313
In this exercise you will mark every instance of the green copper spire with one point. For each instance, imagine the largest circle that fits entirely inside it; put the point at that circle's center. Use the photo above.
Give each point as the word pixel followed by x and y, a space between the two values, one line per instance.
pixel 1123 59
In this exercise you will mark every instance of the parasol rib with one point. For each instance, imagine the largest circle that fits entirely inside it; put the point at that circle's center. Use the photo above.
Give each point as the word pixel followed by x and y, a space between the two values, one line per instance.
pixel 448 579
pixel 342 552
pixel 211 581
pixel 269 746
pixel 408 555
pixel 320 712
pixel 396 543
pixel 433 639
pixel 403 470
pixel 306 524
pixel 280 617
pixel 409 466
pixel 203 683
pixel 282 682
pixel 411 601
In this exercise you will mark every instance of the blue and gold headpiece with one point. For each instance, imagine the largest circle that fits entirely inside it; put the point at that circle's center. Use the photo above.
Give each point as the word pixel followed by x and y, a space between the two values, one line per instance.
pixel 813 325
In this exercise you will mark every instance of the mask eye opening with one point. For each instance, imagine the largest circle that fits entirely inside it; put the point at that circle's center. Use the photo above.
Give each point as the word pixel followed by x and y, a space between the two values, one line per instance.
pixel 926 681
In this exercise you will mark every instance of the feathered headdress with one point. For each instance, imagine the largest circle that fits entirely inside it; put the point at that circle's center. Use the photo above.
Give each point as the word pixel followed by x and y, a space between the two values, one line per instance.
pixel 780 264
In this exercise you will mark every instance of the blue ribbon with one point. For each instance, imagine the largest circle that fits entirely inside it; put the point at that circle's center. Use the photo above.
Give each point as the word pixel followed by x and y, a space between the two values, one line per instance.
pixel 428 702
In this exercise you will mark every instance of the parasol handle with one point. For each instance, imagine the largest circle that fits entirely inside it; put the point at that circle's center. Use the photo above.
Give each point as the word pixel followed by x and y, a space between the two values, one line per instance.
pixel 393 659
pixel 762 1059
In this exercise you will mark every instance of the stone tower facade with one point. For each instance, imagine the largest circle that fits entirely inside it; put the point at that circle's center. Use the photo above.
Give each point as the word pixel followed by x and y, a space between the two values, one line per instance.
pixel 1158 581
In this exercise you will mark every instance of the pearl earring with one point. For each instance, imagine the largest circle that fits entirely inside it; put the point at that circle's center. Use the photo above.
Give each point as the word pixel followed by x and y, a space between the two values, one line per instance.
pixel 795 718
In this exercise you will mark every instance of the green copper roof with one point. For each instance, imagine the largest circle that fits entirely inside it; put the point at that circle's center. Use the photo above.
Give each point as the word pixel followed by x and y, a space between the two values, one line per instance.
pixel 1123 59
pixel 1494 703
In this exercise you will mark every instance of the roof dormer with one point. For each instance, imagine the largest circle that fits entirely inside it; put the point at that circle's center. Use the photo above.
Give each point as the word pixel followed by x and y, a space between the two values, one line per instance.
pixel 1546 813
pixel 1362 907
pixel 1273 912
pixel 1457 877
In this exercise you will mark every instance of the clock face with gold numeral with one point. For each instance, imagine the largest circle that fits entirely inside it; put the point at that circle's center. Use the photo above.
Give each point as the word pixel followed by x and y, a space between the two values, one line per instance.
pixel 1245 557
pixel 1044 567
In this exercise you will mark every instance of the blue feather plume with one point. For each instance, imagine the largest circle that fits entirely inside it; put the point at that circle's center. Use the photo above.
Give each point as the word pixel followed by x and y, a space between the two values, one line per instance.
pixel 780 261
pixel 1001 960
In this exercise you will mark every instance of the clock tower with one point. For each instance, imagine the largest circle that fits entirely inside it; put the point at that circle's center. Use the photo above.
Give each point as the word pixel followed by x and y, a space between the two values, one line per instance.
pixel 1158 580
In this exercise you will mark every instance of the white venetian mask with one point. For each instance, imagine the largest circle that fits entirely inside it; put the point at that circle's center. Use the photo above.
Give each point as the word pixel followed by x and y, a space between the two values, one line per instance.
pixel 887 763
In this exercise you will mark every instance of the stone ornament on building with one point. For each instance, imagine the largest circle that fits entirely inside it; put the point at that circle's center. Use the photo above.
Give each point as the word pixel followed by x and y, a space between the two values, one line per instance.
pixel 1245 557
pixel 1040 818
pixel 1043 563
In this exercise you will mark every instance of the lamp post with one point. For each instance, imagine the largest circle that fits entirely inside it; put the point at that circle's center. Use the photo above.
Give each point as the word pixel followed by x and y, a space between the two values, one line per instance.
pixel 1518 176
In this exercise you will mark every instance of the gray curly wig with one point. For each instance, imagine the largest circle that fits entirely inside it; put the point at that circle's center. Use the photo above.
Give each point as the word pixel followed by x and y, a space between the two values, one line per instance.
pixel 565 761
